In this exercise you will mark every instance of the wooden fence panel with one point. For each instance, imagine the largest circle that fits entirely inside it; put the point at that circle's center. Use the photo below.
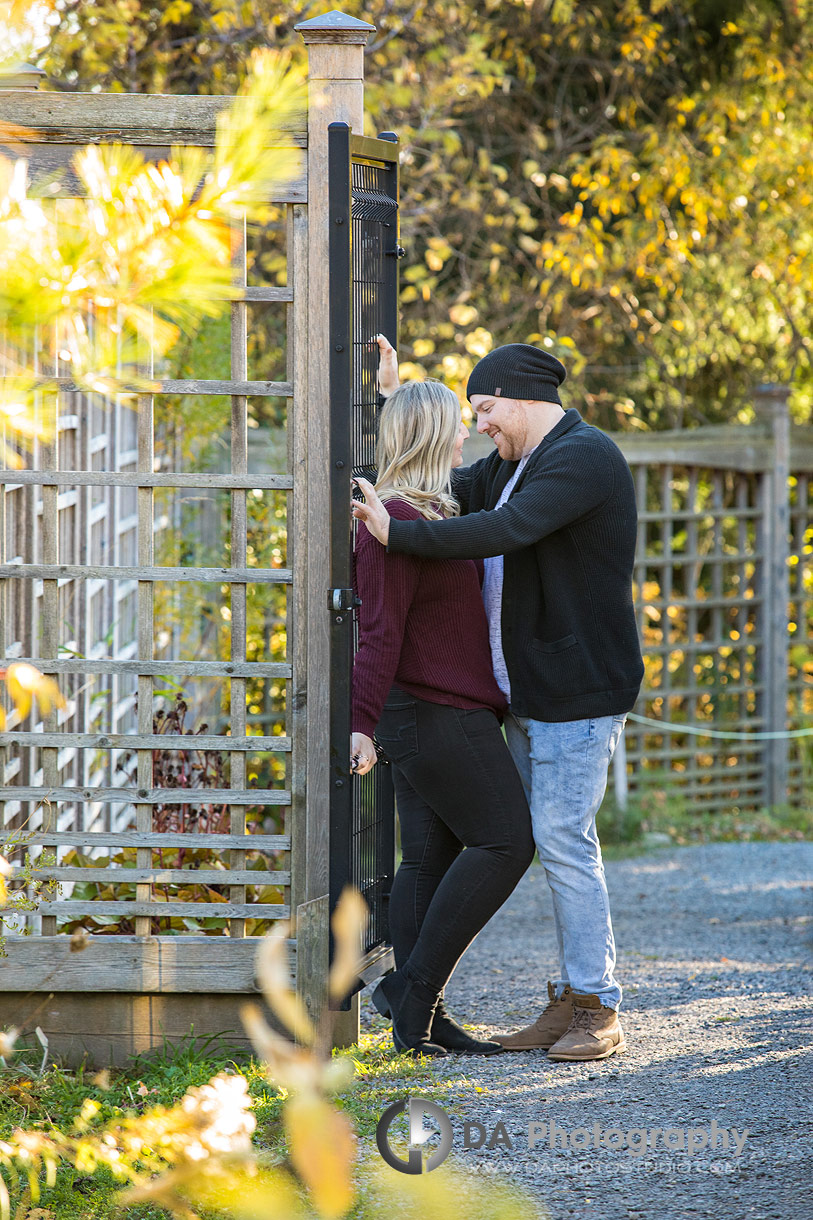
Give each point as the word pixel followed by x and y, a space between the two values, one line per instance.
pixel 91 588
pixel 697 596
pixel 725 515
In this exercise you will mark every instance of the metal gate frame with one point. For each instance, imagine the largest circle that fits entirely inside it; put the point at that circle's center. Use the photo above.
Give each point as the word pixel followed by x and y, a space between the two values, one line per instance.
pixel 364 252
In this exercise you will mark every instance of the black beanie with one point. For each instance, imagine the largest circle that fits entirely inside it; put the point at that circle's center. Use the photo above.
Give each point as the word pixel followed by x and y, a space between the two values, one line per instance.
pixel 518 370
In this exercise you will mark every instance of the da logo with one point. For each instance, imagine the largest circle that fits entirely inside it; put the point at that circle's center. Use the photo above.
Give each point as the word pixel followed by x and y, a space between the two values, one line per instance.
pixel 416 1107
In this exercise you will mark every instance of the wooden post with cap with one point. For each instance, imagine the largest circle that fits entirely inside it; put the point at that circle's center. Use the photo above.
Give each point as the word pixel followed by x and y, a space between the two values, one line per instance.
pixel 771 407
pixel 335 45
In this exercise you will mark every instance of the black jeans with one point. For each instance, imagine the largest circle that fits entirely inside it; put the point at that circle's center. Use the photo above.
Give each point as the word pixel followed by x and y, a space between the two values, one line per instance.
pixel 456 787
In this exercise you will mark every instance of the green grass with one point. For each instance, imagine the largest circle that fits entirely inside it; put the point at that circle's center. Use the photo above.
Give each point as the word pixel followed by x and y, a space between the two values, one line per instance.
pixel 161 1077
pixel 661 810
pixel 382 1077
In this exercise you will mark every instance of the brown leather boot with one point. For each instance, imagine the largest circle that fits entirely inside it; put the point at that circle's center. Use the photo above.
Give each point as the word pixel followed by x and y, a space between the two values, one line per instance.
pixel 546 1029
pixel 594 1032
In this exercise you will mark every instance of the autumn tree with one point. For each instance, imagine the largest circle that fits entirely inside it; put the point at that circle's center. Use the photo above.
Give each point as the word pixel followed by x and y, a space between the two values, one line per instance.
pixel 573 175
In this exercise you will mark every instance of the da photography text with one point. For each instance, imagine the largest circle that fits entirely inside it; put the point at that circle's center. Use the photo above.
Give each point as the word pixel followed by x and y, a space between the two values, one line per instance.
pixel 428 1147
pixel 636 1141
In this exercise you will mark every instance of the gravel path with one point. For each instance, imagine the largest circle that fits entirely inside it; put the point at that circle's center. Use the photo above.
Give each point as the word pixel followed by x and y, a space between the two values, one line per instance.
pixel 715 948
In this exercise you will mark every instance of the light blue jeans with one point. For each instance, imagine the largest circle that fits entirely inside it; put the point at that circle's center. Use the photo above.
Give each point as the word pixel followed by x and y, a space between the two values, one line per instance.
pixel 563 768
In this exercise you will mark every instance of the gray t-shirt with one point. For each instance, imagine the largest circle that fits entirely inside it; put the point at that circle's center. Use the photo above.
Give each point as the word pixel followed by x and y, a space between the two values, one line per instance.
pixel 492 594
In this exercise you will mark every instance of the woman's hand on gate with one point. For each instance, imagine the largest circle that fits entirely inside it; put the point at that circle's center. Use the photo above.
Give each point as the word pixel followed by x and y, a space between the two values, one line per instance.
pixel 362 754
pixel 372 512
pixel 387 366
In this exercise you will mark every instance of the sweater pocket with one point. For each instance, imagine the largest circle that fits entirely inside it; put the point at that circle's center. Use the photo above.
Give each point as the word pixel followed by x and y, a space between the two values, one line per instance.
pixel 563 669
pixel 567 641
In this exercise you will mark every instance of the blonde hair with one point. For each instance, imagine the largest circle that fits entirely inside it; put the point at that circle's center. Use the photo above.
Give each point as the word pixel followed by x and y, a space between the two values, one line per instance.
pixel 417 430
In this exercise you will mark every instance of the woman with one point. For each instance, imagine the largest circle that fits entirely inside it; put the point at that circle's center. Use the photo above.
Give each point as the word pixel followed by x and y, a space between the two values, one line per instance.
pixel 424 686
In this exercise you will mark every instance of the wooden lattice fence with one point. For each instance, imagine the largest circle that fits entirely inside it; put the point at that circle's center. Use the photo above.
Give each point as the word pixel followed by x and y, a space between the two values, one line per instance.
pixel 97 578
pixel 724 596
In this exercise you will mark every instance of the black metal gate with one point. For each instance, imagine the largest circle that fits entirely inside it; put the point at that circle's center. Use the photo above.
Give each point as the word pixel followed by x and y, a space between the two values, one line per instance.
pixel 364 254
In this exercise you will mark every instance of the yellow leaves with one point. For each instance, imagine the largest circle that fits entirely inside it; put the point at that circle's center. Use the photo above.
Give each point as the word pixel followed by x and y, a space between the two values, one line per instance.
pixel 686 105
pixel 463 315
pixel 299 1067
pixel 147 247
pixel 175 12
pixel 24 684
pixel 5 871
pixel 23 31
pixel 455 369
pixel 251 157
pixel 414 274
pixel 442 1194
pixel 322 1147
pixel 349 922
pixel 479 342
pixel 221 1113
pixel 321 1140
pixel 242 1194
pixel 274 976
pixel 410 370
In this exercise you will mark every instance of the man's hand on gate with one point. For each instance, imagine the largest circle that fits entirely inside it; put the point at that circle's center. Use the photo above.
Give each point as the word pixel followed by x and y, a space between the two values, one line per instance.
pixel 372 512
pixel 387 366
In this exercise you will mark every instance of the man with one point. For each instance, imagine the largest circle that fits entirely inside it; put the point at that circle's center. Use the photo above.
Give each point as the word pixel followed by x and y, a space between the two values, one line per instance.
pixel 552 512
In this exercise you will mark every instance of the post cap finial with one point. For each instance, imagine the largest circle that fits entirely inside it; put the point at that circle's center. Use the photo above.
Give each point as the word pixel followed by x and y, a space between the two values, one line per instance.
pixel 335 26
pixel 22 76
pixel 771 402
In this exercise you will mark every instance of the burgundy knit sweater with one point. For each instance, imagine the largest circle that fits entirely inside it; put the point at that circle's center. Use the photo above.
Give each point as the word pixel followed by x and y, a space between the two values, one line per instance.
pixel 422 627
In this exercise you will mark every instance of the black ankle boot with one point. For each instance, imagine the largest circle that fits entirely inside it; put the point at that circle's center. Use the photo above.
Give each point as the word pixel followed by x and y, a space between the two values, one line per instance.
pixel 411 1004
pixel 447 1033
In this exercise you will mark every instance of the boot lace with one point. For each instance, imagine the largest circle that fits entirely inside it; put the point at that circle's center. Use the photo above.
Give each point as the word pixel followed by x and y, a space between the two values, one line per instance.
pixel 583 1018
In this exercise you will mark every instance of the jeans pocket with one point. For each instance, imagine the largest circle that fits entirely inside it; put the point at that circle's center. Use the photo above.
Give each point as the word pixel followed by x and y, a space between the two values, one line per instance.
pixel 615 733
pixel 397 731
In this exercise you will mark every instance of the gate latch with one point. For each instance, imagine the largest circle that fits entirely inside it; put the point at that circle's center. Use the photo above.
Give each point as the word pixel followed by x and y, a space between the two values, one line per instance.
pixel 342 599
